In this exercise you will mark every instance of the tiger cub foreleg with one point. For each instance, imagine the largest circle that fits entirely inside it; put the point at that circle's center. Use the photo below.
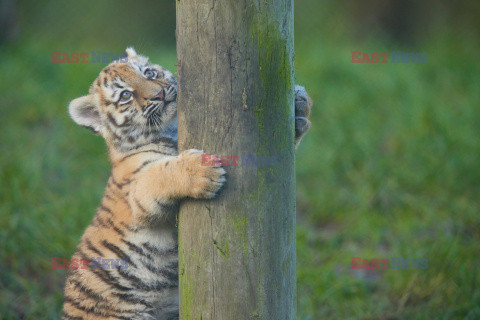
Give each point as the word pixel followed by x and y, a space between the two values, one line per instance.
pixel 165 182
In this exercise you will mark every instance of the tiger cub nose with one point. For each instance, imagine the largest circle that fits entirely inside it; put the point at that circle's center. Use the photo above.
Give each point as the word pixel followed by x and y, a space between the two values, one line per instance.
pixel 159 96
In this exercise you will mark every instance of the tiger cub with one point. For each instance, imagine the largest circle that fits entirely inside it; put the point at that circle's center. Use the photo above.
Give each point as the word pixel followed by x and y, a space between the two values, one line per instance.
pixel 130 249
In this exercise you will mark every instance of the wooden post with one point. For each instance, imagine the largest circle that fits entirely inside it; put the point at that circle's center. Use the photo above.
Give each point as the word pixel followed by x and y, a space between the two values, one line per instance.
pixel 235 98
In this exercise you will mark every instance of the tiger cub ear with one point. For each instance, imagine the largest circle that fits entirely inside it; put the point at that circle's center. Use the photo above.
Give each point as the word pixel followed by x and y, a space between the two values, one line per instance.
pixel 85 113
pixel 131 53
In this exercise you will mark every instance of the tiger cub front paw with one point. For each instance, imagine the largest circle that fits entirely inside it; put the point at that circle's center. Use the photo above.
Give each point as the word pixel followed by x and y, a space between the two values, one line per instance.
pixel 303 106
pixel 203 182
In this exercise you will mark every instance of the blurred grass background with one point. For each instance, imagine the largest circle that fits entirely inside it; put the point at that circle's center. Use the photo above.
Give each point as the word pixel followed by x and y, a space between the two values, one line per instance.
pixel 390 168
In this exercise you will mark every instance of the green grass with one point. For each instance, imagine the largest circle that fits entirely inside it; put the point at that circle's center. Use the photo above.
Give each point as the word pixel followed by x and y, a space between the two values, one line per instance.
pixel 389 169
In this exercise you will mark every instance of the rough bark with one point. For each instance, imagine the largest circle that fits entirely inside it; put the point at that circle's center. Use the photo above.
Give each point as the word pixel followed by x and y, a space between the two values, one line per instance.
pixel 235 97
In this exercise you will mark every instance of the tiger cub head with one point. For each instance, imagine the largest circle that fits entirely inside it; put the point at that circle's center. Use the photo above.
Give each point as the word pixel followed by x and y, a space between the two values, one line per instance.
pixel 129 103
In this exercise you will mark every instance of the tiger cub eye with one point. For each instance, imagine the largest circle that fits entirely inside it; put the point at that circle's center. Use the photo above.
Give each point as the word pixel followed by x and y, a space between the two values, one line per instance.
pixel 125 95
pixel 149 74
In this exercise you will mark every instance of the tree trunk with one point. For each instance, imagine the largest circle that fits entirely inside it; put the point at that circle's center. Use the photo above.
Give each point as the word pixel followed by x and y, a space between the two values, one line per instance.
pixel 237 256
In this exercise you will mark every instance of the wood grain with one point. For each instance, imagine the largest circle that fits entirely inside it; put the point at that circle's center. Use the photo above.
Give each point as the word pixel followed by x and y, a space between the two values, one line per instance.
pixel 235 98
